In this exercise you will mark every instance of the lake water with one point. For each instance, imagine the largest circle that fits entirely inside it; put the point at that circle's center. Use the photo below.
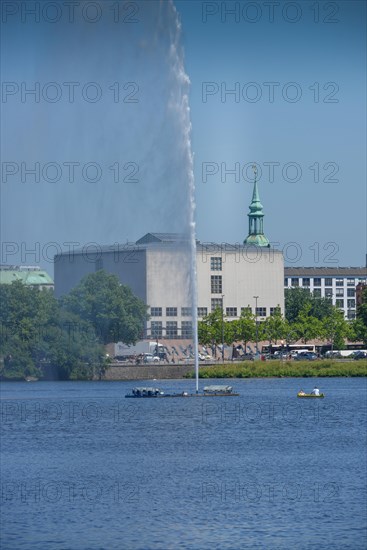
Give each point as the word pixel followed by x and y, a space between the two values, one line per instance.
pixel 84 468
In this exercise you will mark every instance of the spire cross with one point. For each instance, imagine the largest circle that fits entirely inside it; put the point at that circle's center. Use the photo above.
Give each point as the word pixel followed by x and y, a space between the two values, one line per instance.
pixel 254 167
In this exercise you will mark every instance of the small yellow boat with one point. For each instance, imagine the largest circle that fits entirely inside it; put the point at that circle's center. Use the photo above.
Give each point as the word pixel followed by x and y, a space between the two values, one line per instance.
pixel 312 395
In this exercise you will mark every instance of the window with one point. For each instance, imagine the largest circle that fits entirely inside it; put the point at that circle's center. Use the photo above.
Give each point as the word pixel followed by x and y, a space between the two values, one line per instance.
pixel 216 264
pixel 306 281
pixel 216 284
pixel 295 281
pixel 171 311
pixel 216 302
pixel 363 281
pixel 171 329
pixel 351 292
pixel 351 303
pixel 317 281
pixel 339 303
pixel 328 292
pixel 246 310
pixel 317 292
pixel 231 311
pixel 186 311
pixel 274 310
pixel 202 311
pixel 351 282
pixel 351 314
pixel 339 292
pixel 156 311
pixel 186 329
pixel 328 281
pixel 286 281
pixel 156 329
pixel 261 311
pixel 339 282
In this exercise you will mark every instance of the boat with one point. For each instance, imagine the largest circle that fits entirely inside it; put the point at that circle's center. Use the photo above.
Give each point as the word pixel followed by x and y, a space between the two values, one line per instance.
pixel 146 392
pixel 310 395
pixel 218 390
pixel 208 391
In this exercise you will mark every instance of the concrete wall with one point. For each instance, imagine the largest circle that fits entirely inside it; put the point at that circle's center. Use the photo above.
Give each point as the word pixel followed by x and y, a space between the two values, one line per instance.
pixel 148 372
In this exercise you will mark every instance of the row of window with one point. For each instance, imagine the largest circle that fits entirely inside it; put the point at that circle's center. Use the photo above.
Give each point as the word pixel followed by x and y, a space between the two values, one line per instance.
pixel 339 292
pixel 203 311
pixel 171 329
pixel 328 281
pixel 170 311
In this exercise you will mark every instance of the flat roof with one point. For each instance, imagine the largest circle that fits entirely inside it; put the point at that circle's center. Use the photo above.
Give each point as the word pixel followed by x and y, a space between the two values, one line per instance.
pixel 325 271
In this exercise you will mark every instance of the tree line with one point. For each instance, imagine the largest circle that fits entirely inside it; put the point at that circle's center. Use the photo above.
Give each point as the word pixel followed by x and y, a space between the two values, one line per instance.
pixel 306 318
pixel 41 336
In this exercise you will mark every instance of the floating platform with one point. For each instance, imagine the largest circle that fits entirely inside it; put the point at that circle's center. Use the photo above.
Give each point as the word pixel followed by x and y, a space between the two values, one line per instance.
pixel 156 393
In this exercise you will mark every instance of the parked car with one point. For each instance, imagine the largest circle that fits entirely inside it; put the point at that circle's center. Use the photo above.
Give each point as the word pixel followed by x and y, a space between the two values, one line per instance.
pixel 150 358
pixel 306 356
pixel 360 355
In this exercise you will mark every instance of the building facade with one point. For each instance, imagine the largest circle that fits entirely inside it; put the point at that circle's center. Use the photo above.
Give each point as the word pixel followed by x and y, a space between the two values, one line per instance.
pixel 157 269
pixel 337 283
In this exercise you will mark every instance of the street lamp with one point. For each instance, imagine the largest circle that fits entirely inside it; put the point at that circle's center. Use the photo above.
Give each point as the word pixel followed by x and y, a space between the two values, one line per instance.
pixel 257 328
pixel 222 328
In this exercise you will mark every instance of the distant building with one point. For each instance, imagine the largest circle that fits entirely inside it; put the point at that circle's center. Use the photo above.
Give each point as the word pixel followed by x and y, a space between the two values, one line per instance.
pixel 29 275
pixel 337 283
pixel 156 268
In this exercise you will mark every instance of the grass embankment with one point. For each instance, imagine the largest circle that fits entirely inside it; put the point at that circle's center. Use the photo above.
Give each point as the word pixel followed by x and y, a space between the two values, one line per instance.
pixel 281 369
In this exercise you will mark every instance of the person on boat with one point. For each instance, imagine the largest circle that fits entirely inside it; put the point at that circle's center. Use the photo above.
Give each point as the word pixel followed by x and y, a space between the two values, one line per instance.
pixel 301 392
pixel 316 391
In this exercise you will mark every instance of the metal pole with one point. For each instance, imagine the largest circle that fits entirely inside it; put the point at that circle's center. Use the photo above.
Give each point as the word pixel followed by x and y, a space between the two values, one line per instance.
pixel 222 328
pixel 257 328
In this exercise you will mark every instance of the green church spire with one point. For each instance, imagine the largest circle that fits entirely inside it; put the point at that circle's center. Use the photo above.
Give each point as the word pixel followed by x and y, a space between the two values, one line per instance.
pixel 256 232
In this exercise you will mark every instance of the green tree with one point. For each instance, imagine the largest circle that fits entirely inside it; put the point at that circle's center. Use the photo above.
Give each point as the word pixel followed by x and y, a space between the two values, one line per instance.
pixel 336 328
pixel 37 338
pixel 245 327
pixel 307 326
pixel 212 328
pixel 362 308
pixel 358 331
pixel 297 298
pixel 274 327
pixel 114 311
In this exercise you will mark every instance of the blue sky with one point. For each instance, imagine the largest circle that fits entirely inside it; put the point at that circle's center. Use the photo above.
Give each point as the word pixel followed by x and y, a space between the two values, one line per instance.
pixel 297 109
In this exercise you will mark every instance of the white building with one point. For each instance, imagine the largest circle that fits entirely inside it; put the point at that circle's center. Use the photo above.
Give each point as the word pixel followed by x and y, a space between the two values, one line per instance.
pixel 337 283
